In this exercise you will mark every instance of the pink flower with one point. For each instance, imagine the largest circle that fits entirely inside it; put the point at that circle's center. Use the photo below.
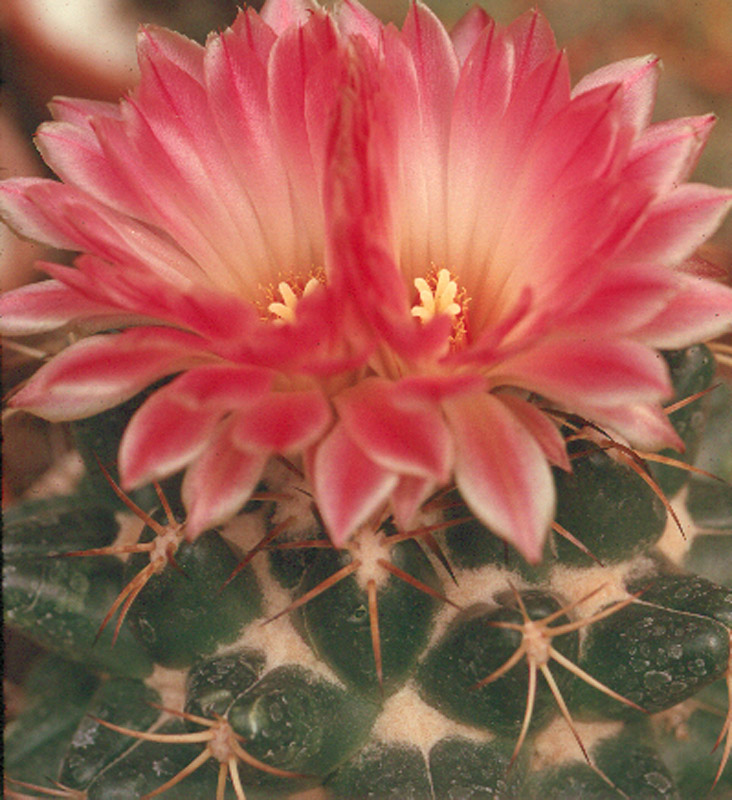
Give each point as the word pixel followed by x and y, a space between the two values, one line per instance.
pixel 384 251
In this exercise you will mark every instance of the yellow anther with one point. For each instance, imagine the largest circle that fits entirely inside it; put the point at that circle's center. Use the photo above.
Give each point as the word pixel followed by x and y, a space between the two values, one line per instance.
pixel 436 299
pixel 285 311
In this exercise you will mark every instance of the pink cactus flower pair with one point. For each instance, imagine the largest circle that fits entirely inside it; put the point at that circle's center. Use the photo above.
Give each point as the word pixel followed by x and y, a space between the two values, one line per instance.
pixel 386 253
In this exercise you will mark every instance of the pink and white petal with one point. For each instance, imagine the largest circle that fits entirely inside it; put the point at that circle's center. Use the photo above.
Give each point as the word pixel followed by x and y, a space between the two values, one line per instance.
pixel 419 71
pixel 408 497
pixel 434 389
pixel 541 427
pixel 624 299
pixel 66 217
pixel 164 45
pixel 538 95
pixel 436 66
pixel 467 30
pixel 177 197
pixel 73 152
pixel 217 316
pixel 359 195
pixel 295 54
pixel 282 422
pixel 283 14
pixel 577 146
pixel 349 486
pixel 45 306
pixel 481 98
pixel 219 482
pixel 677 224
pixel 533 42
pixel 252 29
pixel 236 80
pixel 78 111
pixel 329 79
pixel 163 436
pixel 172 427
pixel 134 291
pixel 644 425
pixel 666 153
pixel 400 432
pixel 489 345
pixel 638 78
pixel 224 387
pixel 174 104
pixel 29 218
pixel 103 371
pixel 353 19
pixel 700 310
pixel 436 71
pixel 597 371
pixel 491 230
pixel 501 472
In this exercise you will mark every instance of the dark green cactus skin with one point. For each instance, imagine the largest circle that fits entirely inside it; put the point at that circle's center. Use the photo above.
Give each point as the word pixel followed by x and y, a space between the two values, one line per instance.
pixel 472 649
pixel 148 765
pixel 169 617
pixel 299 722
pixel 391 772
pixel 36 742
pixel 471 545
pixel 61 602
pixel 667 651
pixel 653 656
pixel 605 505
pixel 631 766
pixel 337 622
pixel 692 371
pixel 123 701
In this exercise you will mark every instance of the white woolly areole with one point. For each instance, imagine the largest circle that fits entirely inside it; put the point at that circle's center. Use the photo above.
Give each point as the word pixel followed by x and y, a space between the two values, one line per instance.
pixel 368 546
pixel 572 584
pixel 170 684
pixel 278 640
pixel 474 586
pixel 556 744
pixel 406 718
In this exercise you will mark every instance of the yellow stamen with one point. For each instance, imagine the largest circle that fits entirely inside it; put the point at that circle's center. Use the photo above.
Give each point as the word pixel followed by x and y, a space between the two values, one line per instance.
pixel 438 298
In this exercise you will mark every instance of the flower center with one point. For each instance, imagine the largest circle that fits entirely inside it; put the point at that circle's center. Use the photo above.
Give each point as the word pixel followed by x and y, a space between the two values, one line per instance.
pixel 283 298
pixel 436 296
pixel 439 293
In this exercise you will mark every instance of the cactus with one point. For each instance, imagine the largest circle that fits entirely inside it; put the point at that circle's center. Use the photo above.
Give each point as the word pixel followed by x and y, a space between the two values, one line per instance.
pixel 260 661
pixel 364 356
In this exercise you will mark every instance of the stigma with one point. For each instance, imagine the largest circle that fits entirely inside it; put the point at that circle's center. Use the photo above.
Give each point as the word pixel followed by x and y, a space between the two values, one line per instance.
pixel 436 296
pixel 284 311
